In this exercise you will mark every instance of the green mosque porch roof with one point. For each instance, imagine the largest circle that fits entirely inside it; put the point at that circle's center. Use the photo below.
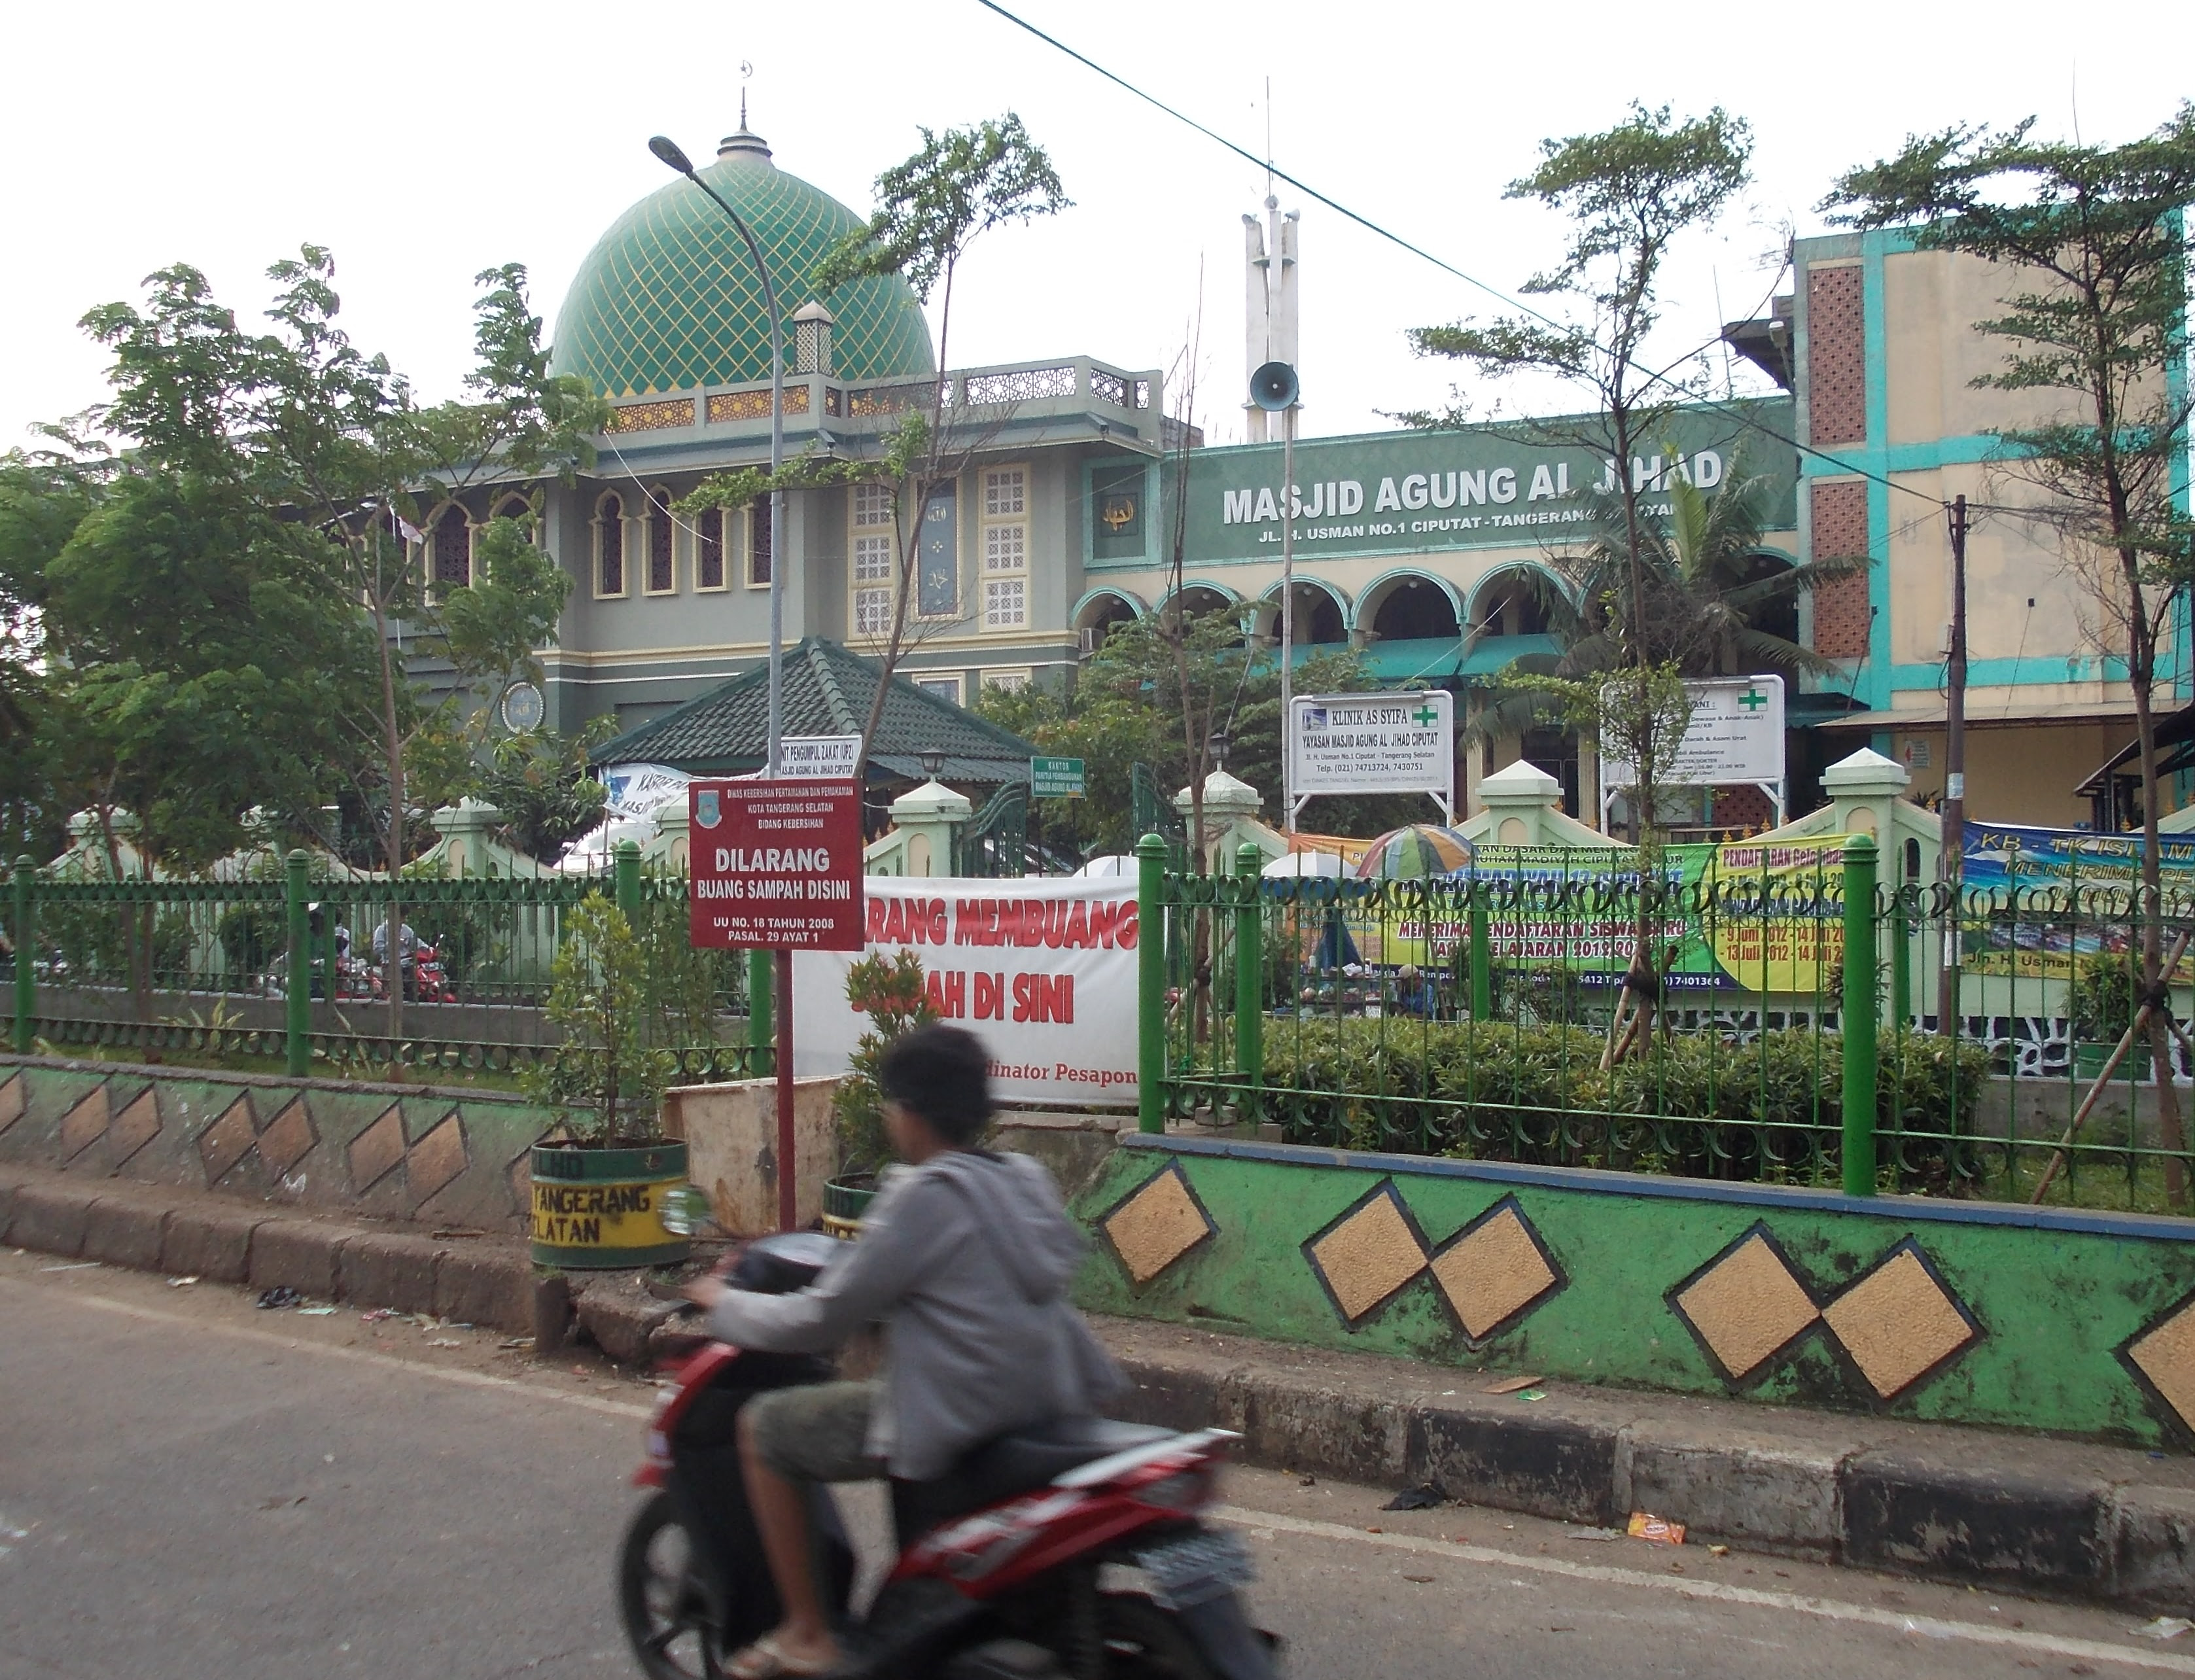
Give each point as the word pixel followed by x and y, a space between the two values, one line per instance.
pixel 668 300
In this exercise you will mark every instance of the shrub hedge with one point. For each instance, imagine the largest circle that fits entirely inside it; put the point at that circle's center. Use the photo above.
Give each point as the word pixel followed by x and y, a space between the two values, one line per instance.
pixel 1697 1105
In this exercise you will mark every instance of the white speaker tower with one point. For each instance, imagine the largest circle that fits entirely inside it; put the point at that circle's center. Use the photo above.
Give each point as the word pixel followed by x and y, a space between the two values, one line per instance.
pixel 1269 312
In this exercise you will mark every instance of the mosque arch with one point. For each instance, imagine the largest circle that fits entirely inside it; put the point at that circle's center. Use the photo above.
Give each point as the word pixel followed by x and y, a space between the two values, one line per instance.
pixel 1099 610
pixel 1409 606
pixel 661 576
pixel 1321 615
pixel 1780 617
pixel 1512 600
pixel 515 506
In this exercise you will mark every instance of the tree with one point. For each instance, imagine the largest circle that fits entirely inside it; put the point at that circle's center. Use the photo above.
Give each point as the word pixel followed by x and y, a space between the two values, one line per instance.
pixel 1125 708
pixel 931 208
pixel 2092 242
pixel 1630 192
pixel 325 445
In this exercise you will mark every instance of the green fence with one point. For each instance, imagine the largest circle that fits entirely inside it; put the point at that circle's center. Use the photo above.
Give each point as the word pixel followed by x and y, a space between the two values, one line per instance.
pixel 296 967
pixel 1473 1016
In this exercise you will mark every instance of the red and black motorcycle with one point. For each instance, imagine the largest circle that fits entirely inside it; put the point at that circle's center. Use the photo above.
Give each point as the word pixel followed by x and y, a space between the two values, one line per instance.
pixel 1075 1552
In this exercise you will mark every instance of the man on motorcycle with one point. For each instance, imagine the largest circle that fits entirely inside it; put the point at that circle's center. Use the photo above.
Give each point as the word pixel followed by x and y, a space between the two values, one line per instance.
pixel 965 1255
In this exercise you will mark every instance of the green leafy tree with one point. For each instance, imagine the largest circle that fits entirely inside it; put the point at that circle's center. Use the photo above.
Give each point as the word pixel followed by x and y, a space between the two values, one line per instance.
pixel 1125 708
pixel 604 1075
pixel 896 997
pixel 2092 242
pixel 326 443
pixel 1630 192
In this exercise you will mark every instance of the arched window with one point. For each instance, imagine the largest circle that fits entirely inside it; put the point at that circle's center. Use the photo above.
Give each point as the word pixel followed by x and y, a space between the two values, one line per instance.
pixel 517 508
pixel 662 569
pixel 451 545
pixel 1416 609
pixel 609 546
pixel 709 549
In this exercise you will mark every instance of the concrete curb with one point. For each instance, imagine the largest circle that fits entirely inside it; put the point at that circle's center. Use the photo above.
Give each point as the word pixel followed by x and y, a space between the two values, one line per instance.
pixel 2019 1512
pixel 2023 1513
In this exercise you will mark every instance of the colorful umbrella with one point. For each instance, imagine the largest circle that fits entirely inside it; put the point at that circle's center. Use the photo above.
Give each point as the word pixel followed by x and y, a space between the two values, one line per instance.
pixel 1413 852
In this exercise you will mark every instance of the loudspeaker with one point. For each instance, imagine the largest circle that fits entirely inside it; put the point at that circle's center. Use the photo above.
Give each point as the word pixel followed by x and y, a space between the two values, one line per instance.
pixel 1273 387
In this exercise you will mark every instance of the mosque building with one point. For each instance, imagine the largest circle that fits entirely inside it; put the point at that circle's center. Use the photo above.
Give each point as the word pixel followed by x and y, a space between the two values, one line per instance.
pixel 1429 552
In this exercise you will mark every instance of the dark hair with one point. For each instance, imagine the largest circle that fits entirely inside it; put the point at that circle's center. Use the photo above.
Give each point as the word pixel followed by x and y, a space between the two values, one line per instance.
pixel 943 1074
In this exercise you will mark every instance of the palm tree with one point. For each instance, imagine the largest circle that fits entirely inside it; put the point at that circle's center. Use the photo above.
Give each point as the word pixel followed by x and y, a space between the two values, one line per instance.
pixel 1715 603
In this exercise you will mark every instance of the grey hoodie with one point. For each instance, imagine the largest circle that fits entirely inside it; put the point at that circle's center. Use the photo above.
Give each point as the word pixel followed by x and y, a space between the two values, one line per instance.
pixel 966 1258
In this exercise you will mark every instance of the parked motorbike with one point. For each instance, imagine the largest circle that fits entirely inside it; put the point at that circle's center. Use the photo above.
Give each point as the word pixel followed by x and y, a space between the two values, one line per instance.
pixel 1003 1565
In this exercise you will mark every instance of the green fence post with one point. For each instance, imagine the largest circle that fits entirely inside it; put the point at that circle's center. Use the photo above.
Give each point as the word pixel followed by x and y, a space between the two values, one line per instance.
pixel 1150 983
pixel 297 1022
pixel 26 983
pixel 1482 958
pixel 628 882
pixel 1859 1023
pixel 761 1029
pixel 1249 977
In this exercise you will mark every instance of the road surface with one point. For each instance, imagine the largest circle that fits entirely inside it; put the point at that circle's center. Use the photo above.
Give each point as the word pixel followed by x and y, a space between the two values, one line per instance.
pixel 190 1487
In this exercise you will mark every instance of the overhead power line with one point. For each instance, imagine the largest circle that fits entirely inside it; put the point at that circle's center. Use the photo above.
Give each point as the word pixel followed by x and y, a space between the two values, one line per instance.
pixel 1731 410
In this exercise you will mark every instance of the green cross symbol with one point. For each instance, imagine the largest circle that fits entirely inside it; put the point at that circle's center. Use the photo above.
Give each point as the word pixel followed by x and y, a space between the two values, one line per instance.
pixel 1752 699
pixel 1425 717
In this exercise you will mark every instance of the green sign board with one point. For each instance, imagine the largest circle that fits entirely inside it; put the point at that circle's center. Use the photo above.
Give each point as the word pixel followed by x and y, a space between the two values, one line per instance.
pixel 1517 484
pixel 1056 778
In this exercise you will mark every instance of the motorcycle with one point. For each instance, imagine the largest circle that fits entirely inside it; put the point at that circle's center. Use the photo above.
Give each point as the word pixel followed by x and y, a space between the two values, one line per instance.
pixel 1007 1567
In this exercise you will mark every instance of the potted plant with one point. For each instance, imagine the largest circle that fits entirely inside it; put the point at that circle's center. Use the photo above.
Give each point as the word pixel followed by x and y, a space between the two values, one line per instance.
pixel 602 1181
pixel 896 997
pixel 2101 1000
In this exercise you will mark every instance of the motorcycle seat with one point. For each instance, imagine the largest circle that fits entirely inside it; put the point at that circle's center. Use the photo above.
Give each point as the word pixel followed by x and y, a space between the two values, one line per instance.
pixel 1013 1464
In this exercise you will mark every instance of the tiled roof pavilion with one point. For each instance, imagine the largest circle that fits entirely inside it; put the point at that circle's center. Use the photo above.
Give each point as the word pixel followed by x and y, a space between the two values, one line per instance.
pixel 828 692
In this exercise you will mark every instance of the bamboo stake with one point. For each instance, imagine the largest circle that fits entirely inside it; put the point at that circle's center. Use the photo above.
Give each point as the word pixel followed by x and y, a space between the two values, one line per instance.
pixel 2139 1026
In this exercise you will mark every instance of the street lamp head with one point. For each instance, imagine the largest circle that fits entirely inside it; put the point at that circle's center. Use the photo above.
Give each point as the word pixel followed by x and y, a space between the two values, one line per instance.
pixel 667 149
pixel 932 760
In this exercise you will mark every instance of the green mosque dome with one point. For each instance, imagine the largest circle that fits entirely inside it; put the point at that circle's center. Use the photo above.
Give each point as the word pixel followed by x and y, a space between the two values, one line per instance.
pixel 668 299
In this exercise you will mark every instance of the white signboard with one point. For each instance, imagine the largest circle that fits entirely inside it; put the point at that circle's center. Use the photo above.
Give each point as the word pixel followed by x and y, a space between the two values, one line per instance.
pixel 819 757
pixel 1399 742
pixel 1042 971
pixel 1736 735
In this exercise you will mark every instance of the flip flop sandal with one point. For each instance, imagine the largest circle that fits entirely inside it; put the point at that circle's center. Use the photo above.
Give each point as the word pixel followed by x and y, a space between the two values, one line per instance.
pixel 765 1660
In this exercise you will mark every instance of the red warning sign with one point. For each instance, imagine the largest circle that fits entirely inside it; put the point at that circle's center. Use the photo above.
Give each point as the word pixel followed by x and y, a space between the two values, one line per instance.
pixel 776 865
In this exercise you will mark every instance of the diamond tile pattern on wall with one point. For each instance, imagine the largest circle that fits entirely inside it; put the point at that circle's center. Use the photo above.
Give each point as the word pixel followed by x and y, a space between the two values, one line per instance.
pixel 668 299
pixel 1746 1305
pixel 1494 1269
pixel 2163 1352
pixel 85 1124
pixel 228 1139
pixel 1368 1254
pixel 289 1136
pixel 1155 1224
pixel 1897 1321
pixel 377 1151
pixel 95 1120
pixel 12 1103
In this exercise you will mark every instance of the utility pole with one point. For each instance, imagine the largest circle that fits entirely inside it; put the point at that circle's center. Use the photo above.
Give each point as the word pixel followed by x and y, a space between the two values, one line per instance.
pixel 1288 614
pixel 1951 868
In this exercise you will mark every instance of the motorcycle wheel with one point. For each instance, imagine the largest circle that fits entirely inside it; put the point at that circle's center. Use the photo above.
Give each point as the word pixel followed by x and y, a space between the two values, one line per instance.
pixel 666 1617
pixel 1143 1642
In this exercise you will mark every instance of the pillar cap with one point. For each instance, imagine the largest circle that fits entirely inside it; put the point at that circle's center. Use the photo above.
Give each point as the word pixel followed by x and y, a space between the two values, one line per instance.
pixel 1522 783
pixel 1866 771
pixel 932 802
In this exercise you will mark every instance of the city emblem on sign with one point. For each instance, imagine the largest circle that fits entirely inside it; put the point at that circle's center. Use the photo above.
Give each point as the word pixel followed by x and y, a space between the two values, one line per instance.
pixel 706 811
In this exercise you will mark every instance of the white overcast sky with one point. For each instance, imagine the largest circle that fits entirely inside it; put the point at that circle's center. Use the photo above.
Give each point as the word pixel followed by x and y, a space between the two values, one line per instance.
pixel 423 142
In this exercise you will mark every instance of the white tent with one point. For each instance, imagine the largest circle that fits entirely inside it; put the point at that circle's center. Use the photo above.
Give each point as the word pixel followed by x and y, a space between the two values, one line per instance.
pixel 1306 865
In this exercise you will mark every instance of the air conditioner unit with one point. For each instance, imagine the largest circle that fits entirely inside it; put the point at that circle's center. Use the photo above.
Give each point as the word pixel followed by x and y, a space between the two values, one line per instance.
pixel 1087 639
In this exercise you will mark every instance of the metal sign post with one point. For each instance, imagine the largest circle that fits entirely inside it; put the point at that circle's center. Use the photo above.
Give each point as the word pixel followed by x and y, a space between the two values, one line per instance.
pixel 778 866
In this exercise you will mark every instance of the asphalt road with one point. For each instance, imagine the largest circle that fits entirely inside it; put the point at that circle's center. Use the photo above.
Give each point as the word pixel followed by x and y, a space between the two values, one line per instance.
pixel 193 1487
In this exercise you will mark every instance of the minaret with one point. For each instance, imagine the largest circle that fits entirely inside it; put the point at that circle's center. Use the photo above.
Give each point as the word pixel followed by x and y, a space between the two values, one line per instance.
pixel 1269 311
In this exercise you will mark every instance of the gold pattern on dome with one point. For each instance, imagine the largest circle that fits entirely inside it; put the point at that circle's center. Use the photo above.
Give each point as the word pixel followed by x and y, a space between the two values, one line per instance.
pixel 652 417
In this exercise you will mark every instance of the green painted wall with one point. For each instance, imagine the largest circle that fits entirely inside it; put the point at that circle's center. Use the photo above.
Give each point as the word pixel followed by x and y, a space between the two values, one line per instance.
pixel 2053 1299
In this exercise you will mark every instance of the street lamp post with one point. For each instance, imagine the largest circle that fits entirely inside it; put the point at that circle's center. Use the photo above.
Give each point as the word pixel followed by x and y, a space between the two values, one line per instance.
pixel 667 149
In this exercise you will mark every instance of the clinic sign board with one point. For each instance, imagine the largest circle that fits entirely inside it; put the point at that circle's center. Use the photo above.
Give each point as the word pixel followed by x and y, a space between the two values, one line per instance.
pixel 1395 742
pixel 1736 735
pixel 1511 485
pixel 776 865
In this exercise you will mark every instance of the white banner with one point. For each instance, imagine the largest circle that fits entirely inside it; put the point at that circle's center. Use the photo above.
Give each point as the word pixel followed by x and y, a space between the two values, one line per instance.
pixel 1042 971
